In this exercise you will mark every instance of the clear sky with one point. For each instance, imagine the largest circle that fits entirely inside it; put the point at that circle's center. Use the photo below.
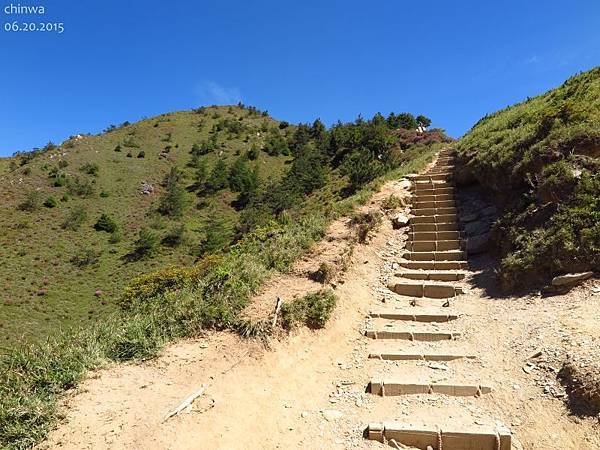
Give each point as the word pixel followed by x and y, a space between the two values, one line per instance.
pixel 122 60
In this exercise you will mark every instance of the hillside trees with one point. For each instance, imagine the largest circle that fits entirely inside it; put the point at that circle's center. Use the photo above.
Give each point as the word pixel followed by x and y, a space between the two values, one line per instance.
pixel 174 200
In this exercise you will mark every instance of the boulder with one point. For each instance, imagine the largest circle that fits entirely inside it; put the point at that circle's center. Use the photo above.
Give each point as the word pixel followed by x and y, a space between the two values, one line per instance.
pixel 489 211
pixel 404 184
pixel 332 414
pixel 478 244
pixel 571 278
pixel 400 220
pixel 476 228
pixel 470 217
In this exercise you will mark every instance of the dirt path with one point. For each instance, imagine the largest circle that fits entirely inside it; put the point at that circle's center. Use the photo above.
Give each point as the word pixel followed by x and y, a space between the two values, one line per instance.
pixel 309 389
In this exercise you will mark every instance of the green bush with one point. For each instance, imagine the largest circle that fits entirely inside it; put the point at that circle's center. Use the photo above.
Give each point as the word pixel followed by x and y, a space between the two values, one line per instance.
pixel 118 148
pixel 146 243
pixel 85 258
pixel 80 187
pixel 90 169
pixel 50 202
pixel 313 310
pixel 77 216
pixel 106 223
pixel 31 202
pixel 175 236
pixel 141 154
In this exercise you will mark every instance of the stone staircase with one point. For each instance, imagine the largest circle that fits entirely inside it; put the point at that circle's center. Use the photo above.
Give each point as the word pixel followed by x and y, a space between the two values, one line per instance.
pixel 426 313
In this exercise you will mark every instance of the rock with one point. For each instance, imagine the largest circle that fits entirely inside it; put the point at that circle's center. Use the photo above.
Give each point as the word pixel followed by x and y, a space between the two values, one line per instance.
pixel 404 184
pixel 478 244
pixel 332 414
pixel 147 188
pixel 469 217
pixel 400 220
pixel 489 211
pixel 395 266
pixel 475 228
pixel 571 278
pixel 98 293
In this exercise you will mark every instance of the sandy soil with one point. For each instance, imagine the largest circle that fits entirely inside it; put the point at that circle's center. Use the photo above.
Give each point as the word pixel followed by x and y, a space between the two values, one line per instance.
pixel 308 389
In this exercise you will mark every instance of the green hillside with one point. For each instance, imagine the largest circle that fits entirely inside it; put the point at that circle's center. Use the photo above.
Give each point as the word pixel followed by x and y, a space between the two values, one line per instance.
pixel 542 158
pixel 275 189
pixel 53 262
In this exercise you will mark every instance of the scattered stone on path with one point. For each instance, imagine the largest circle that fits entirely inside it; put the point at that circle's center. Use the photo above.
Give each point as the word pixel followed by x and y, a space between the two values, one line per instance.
pixel 332 414
pixel 400 220
pixel 571 278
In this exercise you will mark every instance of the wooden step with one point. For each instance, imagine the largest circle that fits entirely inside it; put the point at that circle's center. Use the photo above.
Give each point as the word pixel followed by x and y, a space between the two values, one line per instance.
pixel 420 186
pixel 431 275
pixel 438 218
pixel 433 204
pixel 390 387
pixel 450 255
pixel 426 289
pixel 409 335
pixel 441 176
pixel 412 315
pixel 451 226
pixel 433 197
pixel 425 191
pixel 434 246
pixel 415 356
pixel 434 211
pixel 435 265
pixel 434 236
pixel 473 437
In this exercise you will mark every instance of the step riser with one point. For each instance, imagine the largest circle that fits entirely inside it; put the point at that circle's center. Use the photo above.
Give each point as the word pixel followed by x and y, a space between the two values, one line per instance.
pixel 442 176
pixel 423 437
pixel 434 205
pixel 435 211
pixel 432 276
pixel 390 388
pixel 423 187
pixel 434 227
pixel 439 190
pixel 426 290
pixel 435 265
pixel 418 357
pixel 434 246
pixel 435 256
pixel 441 218
pixel 433 198
pixel 426 318
pixel 434 236
pixel 410 336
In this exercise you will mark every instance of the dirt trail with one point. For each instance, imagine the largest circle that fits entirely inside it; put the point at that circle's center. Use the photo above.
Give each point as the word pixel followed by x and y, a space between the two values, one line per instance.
pixel 308 390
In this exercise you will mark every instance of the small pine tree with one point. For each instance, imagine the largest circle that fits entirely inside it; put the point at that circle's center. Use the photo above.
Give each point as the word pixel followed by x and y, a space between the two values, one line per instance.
pixel 106 223
pixel 218 178
pixel 174 201
pixel 146 243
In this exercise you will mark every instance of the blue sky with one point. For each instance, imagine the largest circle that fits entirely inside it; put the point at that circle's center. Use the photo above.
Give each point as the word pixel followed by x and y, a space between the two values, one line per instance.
pixel 116 61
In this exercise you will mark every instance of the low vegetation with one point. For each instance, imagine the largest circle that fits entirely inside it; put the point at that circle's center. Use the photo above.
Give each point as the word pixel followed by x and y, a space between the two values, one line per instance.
pixel 312 310
pixel 250 227
pixel 542 158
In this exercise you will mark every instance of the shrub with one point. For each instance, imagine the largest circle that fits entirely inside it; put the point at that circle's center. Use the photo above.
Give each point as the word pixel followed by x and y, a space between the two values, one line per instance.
pixel 361 168
pixel 80 187
pixel 218 178
pixel 174 201
pixel 104 194
pixel 145 244
pixel 174 237
pixel 60 180
pixel 75 219
pixel 85 258
pixel 90 169
pixel 392 202
pixel 31 202
pixel 141 154
pixel 366 223
pixel 324 274
pixel 115 237
pixel 63 163
pixel 129 155
pixel 50 202
pixel 106 223
pixel 118 148
pixel 313 310
pixel 252 154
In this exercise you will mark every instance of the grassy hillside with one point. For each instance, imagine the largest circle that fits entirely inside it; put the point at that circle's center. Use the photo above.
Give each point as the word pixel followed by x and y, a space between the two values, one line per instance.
pixel 542 159
pixel 53 262
pixel 311 176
